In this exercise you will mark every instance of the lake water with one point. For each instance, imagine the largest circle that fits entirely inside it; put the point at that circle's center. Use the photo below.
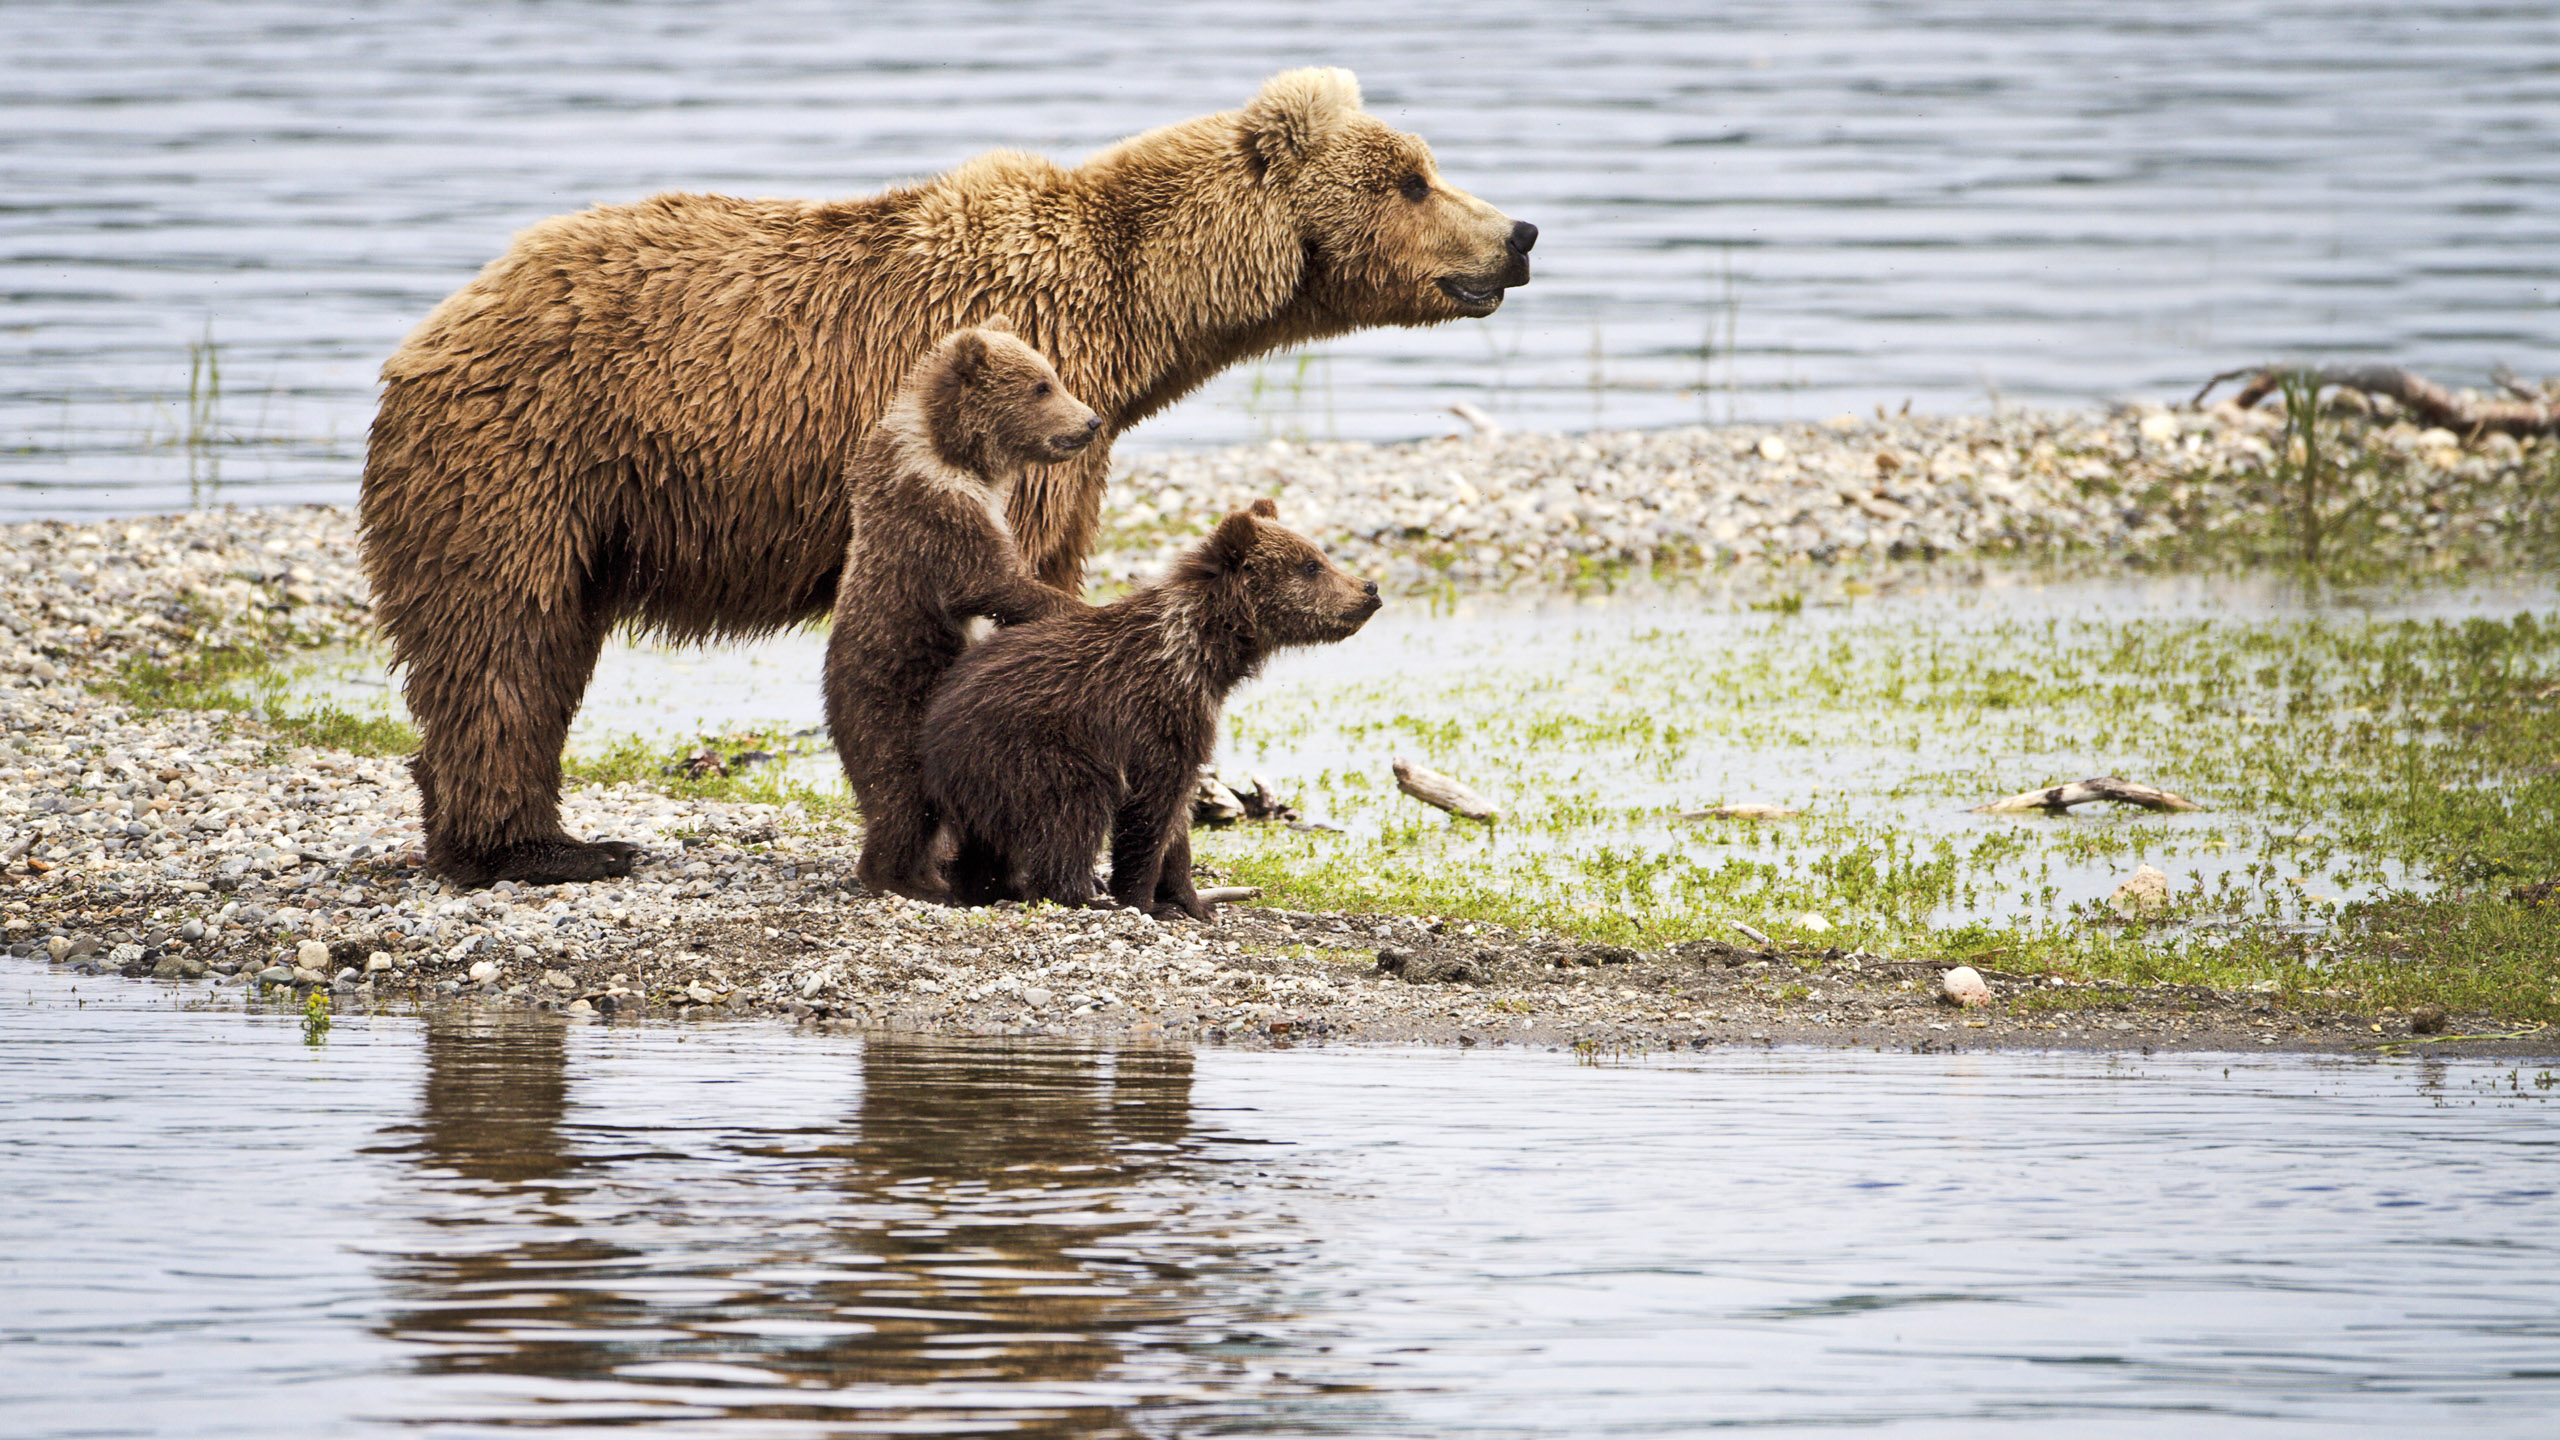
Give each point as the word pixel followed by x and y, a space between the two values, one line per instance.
pixel 1753 210
pixel 478 1226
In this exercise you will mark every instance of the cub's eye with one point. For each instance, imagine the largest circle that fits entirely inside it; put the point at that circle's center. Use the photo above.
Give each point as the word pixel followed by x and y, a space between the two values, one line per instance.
pixel 1040 389
pixel 1416 188
pixel 1311 568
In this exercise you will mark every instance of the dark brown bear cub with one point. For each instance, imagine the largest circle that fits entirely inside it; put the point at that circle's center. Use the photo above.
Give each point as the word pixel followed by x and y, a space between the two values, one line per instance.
pixel 931 551
pixel 1051 735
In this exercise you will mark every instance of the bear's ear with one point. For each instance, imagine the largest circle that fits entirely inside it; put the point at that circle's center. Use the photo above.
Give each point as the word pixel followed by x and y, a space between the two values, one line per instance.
pixel 1230 543
pixel 1266 507
pixel 968 356
pixel 1295 112
pixel 997 322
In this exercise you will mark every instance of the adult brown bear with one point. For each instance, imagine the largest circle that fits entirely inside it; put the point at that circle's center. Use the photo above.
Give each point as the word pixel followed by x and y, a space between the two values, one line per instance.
pixel 641 412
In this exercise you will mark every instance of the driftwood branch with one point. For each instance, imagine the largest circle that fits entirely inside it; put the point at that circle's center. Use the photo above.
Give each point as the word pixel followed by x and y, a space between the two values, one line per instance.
pixel 1215 802
pixel 2081 792
pixel 2531 412
pixel 1433 788
pixel 1484 426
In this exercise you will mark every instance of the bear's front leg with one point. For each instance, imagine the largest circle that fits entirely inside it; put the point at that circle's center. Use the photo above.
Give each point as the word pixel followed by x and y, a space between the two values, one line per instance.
pixel 1173 875
pixel 1151 854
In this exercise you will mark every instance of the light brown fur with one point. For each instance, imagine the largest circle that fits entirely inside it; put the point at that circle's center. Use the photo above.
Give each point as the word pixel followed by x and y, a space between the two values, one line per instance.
pixel 931 551
pixel 640 412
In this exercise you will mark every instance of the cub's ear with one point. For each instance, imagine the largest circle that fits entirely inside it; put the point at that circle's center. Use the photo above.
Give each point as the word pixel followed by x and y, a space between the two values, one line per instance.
pixel 1230 543
pixel 968 356
pixel 1266 507
pixel 997 322
pixel 1295 113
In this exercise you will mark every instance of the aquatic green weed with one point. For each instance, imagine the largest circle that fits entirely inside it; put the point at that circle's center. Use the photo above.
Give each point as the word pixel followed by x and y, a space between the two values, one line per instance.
pixel 242 680
pixel 2354 767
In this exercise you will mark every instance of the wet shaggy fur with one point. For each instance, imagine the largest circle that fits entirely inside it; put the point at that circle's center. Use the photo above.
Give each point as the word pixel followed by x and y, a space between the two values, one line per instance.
pixel 641 412
pixel 930 551
pixel 1051 736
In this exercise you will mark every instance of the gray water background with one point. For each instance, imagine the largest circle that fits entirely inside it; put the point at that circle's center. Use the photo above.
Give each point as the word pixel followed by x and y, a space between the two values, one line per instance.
pixel 478 1225
pixel 1751 210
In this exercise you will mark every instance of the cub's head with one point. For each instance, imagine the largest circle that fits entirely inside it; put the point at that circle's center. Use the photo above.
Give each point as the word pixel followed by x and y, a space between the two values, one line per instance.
pixel 1289 593
pixel 1388 241
pixel 992 403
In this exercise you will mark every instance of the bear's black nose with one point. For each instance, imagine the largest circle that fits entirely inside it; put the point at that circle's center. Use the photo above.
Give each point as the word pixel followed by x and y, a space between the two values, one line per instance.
pixel 1369 588
pixel 1523 236
pixel 1092 423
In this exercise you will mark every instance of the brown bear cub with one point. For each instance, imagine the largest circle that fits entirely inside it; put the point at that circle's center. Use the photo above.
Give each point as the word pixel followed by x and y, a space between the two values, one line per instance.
pixel 1051 735
pixel 931 551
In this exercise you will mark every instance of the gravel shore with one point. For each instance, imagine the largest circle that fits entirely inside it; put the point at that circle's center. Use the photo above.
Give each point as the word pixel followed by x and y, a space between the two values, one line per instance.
pixel 201 848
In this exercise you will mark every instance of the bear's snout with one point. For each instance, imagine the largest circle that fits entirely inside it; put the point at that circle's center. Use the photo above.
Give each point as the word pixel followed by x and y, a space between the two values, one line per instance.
pixel 1068 442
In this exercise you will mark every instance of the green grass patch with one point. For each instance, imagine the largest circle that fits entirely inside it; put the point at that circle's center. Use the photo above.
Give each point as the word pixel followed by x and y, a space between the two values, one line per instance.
pixel 2377 785
pixel 242 681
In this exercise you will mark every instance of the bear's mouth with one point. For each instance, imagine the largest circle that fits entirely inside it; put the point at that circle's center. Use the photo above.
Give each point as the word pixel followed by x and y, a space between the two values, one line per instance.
pixel 1071 441
pixel 1478 298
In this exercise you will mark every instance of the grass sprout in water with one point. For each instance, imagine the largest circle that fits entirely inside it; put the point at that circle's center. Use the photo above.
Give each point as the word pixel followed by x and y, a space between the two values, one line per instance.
pixel 2376 790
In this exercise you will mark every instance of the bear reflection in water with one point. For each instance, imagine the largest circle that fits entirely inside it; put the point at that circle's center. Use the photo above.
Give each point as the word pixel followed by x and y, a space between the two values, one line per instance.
pixel 1007 1193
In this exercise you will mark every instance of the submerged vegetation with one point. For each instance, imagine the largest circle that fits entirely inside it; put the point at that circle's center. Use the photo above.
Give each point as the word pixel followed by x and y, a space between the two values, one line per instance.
pixel 2382 791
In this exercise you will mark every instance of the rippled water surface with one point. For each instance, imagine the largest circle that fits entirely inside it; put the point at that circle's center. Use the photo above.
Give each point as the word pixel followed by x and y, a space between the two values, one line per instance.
pixel 1752 209
pixel 467 1225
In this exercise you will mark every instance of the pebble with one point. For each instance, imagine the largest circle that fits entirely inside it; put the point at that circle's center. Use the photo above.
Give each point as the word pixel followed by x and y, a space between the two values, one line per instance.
pixel 311 955
pixel 1963 987
pixel 1530 507
pixel 2144 892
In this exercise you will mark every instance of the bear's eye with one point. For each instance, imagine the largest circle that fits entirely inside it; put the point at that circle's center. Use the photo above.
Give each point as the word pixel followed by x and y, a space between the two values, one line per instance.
pixel 1311 568
pixel 1416 188
pixel 1042 388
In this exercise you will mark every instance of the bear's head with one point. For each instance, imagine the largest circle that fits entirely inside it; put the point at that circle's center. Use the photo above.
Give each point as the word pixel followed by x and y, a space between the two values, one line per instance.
pixel 993 404
pixel 1273 584
pixel 1387 241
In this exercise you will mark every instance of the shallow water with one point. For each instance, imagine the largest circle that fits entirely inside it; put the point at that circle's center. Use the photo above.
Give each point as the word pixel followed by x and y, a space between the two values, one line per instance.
pixel 474 1225
pixel 1471 686
pixel 1763 212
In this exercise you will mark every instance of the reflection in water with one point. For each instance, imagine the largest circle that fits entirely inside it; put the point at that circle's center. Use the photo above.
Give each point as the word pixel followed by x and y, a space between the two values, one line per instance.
pixel 985 1245
pixel 734 1231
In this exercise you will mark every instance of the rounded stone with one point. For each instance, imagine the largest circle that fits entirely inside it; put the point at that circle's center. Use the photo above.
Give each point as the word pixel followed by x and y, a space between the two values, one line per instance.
pixel 1963 986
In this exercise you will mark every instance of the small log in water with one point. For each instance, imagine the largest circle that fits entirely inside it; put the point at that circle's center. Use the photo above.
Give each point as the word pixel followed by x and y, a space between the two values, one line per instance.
pixel 2081 792
pixel 1433 788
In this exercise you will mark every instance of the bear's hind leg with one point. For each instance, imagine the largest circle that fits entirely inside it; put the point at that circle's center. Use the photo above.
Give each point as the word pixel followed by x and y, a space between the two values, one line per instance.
pixel 493 699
